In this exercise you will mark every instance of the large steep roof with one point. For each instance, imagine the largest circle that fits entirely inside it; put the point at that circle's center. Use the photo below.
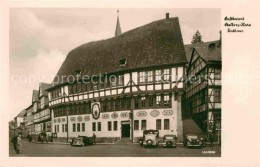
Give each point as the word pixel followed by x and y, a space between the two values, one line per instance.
pixel 155 44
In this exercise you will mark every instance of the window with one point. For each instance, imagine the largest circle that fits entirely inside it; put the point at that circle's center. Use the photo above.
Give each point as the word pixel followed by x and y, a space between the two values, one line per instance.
pixel 151 100
pixel 113 103
pixel 217 96
pixel 150 76
pixel 104 105
pixel 55 128
pixel 113 80
pixel 128 103
pixel 83 127
pixel 142 77
pixel 143 101
pixel 78 72
pixel 115 125
pixel 136 125
pixel 143 127
pixel 74 127
pixel 122 104
pixel 93 126
pixel 66 128
pixel 117 101
pixel 99 126
pixel 58 128
pixel 82 108
pixel 217 74
pixel 87 108
pixel 166 74
pixel 166 124
pixel 158 100
pixel 42 102
pixel 109 126
pixel 62 127
pixel 166 100
pixel 158 76
pixel 122 62
pixel 136 100
pixel 120 80
pixel 158 124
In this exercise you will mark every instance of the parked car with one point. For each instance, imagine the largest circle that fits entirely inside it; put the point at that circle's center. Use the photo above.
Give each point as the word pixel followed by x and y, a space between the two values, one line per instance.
pixel 150 138
pixel 193 141
pixel 169 141
pixel 81 141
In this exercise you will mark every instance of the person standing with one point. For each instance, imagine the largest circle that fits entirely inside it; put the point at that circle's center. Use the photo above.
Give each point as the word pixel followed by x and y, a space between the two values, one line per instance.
pixel 14 141
pixel 19 144
pixel 94 138
pixel 211 138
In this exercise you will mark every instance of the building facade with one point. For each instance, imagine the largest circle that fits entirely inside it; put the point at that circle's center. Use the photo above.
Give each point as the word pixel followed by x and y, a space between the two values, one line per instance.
pixel 135 82
pixel 202 100
pixel 42 115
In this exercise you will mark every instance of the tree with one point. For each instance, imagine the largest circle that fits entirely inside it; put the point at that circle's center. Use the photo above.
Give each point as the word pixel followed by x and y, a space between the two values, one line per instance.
pixel 197 38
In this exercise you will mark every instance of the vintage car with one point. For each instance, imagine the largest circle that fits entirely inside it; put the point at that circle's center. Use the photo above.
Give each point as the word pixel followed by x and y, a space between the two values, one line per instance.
pixel 169 141
pixel 81 141
pixel 150 138
pixel 191 140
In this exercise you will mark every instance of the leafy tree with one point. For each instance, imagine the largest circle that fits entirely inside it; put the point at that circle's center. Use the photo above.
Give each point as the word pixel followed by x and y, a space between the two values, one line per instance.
pixel 197 38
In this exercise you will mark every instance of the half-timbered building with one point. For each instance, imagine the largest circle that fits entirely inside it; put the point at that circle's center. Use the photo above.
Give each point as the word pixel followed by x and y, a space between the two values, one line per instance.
pixel 202 99
pixel 42 114
pixel 137 84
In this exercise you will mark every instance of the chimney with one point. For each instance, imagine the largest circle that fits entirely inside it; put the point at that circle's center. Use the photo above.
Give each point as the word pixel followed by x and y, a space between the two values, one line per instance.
pixel 167 16
pixel 220 39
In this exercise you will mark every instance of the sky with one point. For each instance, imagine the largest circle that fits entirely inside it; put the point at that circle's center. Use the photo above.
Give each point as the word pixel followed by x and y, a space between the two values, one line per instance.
pixel 41 38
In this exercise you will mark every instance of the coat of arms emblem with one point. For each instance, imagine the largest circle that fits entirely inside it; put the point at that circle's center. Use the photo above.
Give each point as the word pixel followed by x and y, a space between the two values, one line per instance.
pixel 95 110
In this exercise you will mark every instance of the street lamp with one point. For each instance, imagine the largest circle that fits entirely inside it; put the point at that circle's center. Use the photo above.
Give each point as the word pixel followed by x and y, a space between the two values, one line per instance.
pixel 67 116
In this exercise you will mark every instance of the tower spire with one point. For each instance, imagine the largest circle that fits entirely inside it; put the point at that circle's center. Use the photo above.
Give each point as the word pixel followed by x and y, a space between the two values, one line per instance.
pixel 118 28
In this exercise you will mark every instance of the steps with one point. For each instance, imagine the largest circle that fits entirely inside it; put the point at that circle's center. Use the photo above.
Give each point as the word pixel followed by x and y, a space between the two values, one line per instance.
pixel 190 127
pixel 124 141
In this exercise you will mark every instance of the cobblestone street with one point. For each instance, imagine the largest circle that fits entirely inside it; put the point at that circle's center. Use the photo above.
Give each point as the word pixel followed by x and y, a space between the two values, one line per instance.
pixel 110 150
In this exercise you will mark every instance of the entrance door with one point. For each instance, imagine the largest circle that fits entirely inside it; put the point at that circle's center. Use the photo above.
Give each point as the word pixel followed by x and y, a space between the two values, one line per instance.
pixel 125 129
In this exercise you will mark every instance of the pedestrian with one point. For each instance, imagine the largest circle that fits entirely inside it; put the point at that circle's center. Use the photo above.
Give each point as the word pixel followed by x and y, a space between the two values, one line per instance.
pixel 51 138
pixel 30 138
pixel 14 141
pixel 19 144
pixel 94 138
pixel 47 138
pixel 211 138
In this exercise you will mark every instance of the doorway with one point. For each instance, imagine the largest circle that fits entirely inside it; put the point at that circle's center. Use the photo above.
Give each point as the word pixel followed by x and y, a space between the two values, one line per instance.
pixel 125 130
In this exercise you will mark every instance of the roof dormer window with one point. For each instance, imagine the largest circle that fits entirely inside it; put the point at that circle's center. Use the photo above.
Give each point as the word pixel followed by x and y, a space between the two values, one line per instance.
pixel 78 72
pixel 212 46
pixel 122 62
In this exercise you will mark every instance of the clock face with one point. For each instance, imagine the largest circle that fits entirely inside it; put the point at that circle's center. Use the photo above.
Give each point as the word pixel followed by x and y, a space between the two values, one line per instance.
pixel 95 111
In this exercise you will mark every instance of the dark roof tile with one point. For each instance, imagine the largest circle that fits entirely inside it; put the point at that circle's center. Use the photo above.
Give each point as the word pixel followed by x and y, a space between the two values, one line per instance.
pixel 154 44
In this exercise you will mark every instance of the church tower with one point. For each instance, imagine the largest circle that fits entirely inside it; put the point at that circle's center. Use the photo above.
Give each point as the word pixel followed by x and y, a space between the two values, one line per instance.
pixel 118 28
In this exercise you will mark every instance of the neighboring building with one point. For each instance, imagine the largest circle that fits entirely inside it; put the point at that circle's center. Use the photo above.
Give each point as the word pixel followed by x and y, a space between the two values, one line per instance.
pixel 202 99
pixel 42 115
pixel 12 129
pixel 29 118
pixel 148 64
pixel 17 125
